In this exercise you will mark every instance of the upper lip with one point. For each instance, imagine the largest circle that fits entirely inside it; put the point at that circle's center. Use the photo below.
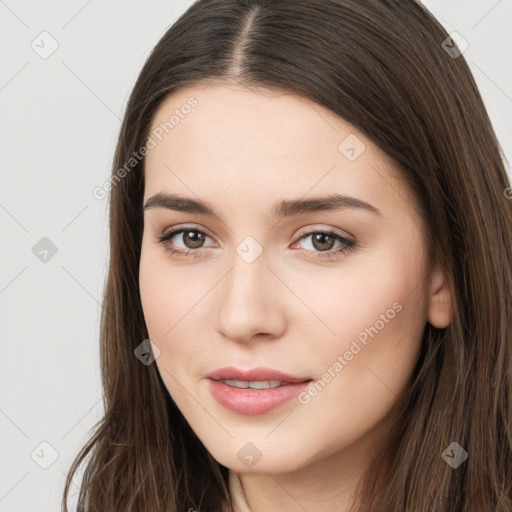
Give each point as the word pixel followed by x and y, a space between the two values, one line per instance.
pixel 254 374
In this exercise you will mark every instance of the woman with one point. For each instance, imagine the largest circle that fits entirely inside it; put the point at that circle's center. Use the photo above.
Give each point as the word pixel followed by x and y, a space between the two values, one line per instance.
pixel 308 299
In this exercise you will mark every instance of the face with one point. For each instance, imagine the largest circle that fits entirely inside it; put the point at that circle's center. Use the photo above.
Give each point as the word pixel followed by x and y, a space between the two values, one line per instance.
pixel 336 296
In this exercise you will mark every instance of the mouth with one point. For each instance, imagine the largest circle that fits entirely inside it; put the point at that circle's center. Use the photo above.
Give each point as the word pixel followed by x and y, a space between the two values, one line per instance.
pixel 255 375
pixel 255 384
pixel 254 391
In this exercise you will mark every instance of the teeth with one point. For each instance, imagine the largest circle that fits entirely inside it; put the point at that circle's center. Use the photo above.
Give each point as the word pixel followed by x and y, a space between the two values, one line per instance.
pixel 256 384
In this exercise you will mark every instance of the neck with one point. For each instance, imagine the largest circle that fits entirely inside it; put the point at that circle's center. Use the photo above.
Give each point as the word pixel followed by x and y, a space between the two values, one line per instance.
pixel 325 485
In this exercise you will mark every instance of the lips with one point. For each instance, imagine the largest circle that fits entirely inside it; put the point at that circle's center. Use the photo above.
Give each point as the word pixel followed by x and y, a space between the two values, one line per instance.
pixel 255 374
pixel 226 386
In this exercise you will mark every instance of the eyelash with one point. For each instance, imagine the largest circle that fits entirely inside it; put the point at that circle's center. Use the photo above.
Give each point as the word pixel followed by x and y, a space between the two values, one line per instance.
pixel 348 246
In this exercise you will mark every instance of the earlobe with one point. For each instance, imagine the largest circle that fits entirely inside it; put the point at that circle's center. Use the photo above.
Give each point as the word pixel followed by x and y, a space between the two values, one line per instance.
pixel 439 309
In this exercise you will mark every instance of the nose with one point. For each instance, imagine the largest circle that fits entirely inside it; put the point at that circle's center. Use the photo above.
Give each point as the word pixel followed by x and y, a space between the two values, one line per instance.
pixel 251 302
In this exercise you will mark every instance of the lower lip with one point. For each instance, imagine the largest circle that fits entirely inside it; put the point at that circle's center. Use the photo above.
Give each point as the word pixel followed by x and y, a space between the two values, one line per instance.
pixel 254 401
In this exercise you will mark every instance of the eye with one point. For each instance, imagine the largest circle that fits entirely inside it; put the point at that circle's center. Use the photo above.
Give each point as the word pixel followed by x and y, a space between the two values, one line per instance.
pixel 191 237
pixel 323 241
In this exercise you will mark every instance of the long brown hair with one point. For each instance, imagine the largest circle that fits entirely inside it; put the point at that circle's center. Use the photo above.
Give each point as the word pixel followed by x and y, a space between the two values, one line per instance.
pixel 382 66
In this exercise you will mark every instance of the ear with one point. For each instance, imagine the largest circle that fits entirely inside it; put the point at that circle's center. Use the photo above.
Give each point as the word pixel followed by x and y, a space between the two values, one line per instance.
pixel 439 307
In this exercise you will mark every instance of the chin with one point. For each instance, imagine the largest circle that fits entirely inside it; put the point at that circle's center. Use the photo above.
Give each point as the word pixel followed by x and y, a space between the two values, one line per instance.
pixel 279 462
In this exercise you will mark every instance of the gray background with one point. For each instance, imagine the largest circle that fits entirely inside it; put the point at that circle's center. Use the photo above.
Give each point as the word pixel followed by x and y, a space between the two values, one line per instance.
pixel 60 118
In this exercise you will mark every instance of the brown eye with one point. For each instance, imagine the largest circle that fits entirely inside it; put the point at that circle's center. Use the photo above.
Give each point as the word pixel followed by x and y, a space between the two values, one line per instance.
pixel 323 241
pixel 193 239
pixel 183 241
pixel 323 244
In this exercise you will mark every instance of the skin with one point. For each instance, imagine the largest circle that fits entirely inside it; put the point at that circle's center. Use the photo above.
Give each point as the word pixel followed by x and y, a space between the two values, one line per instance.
pixel 242 151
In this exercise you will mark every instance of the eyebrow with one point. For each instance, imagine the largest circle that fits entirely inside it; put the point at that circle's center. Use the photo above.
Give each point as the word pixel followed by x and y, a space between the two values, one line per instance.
pixel 284 208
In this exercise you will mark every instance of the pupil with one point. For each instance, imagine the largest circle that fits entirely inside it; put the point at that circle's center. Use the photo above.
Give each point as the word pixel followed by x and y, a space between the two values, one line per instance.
pixel 195 237
pixel 320 237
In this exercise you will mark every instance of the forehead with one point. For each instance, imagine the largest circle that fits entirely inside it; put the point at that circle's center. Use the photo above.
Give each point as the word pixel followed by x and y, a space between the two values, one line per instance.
pixel 262 142
pixel 253 118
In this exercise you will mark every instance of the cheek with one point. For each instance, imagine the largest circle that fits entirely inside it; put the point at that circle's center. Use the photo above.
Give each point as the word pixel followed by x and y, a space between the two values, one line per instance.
pixel 160 304
pixel 368 363
pixel 171 303
pixel 382 295
pixel 377 316
pixel 153 295
pixel 166 292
